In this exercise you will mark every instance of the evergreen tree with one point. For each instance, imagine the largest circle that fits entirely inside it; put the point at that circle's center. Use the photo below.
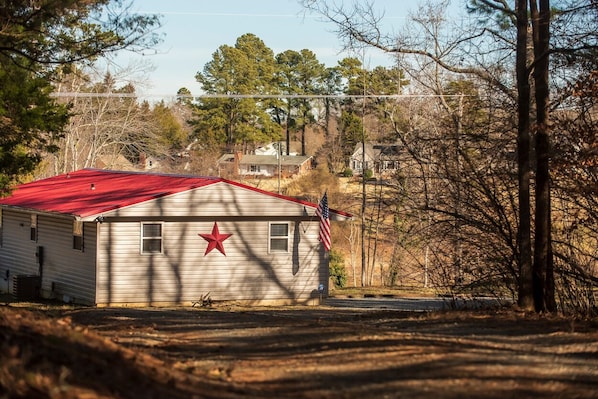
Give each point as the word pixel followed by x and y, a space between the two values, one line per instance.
pixel 234 76
pixel 37 37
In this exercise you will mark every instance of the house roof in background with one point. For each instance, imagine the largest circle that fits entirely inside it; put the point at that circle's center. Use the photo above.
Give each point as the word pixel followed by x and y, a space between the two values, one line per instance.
pixel 377 150
pixel 285 160
pixel 90 192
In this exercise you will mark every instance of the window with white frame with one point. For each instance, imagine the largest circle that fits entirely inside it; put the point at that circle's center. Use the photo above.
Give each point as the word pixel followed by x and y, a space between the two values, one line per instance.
pixel 279 237
pixel 78 235
pixel 151 238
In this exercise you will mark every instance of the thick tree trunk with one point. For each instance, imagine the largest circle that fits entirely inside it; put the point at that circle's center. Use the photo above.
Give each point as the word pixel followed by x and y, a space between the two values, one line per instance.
pixel 526 298
pixel 363 204
pixel 542 267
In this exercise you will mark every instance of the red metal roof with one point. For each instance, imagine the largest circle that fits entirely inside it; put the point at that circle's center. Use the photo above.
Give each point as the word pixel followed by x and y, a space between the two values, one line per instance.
pixel 89 192
pixel 92 191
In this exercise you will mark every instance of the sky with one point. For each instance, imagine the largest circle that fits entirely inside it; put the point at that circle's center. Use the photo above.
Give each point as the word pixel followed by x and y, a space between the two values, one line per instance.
pixel 194 29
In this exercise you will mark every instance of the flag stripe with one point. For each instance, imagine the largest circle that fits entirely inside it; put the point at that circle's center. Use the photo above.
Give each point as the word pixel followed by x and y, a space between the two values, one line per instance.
pixel 324 214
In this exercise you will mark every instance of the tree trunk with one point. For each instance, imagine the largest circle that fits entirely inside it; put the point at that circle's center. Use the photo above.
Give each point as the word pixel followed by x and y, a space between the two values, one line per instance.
pixel 542 267
pixel 363 204
pixel 526 294
pixel 303 128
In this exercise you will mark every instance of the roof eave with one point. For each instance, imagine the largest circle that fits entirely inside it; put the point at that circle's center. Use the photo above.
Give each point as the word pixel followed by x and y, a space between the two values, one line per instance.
pixel 42 212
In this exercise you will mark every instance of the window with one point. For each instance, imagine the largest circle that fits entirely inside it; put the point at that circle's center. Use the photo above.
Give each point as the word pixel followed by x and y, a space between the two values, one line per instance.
pixel 33 231
pixel 255 168
pixel 78 235
pixel 151 238
pixel 279 237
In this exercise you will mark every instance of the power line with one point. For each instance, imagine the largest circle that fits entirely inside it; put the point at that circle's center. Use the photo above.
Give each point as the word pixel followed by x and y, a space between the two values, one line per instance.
pixel 258 96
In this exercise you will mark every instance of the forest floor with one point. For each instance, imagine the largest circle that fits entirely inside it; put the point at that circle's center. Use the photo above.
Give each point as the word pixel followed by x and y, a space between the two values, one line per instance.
pixel 227 351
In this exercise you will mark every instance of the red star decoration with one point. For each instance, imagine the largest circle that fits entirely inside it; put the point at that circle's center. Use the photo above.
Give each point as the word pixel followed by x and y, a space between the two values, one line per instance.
pixel 215 240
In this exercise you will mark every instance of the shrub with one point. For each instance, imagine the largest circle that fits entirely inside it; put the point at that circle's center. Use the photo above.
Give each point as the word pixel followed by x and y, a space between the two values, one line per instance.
pixel 338 274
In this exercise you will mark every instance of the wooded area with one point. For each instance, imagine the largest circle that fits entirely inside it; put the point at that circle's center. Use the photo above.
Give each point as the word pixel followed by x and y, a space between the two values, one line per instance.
pixel 495 116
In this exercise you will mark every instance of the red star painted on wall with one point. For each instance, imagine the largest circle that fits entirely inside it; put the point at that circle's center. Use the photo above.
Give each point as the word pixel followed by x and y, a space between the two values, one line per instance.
pixel 215 240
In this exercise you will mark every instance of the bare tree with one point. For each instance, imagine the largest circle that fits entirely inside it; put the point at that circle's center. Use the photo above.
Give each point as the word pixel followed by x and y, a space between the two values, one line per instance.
pixel 109 126
pixel 482 51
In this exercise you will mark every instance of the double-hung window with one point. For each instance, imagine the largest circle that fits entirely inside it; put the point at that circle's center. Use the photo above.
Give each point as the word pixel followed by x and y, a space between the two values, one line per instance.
pixel 279 237
pixel 151 238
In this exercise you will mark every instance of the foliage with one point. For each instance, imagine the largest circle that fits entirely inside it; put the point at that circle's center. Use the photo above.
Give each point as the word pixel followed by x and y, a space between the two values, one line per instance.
pixel 312 185
pixel 38 34
pixel 351 132
pixel 30 123
pixel 170 132
pixel 109 131
pixel 338 274
pixel 36 37
pixel 298 73
pixel 468 148
pixel 245 69
pixel 575 189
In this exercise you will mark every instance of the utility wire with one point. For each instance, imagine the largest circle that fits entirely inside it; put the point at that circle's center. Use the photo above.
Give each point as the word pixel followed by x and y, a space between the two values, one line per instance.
pixel 293 96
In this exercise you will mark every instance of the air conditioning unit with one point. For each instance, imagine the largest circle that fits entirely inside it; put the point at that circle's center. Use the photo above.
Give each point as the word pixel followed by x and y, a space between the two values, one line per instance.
pixel 25 287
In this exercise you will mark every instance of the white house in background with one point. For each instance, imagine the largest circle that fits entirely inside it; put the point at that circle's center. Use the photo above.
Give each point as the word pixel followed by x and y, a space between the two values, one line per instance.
pixel 379 158
pixel 264 165
pixel 105 237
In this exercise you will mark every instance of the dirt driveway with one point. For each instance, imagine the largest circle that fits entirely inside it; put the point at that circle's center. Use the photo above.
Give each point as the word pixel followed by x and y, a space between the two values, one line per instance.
pixel 324 352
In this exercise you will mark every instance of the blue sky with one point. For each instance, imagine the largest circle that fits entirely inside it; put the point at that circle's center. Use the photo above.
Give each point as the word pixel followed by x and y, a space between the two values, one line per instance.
pixel 194 29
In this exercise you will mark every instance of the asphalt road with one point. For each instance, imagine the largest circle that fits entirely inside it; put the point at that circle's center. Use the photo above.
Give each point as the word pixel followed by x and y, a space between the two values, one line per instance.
pixel 414 304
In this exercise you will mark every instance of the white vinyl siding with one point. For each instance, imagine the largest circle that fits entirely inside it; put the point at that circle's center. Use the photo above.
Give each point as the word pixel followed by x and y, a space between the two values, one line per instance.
pixel 69 272
pixel 183 274
pixel 17 254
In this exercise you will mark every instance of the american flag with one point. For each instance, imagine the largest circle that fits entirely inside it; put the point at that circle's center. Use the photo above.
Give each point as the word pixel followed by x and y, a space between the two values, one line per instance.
pixel 324 214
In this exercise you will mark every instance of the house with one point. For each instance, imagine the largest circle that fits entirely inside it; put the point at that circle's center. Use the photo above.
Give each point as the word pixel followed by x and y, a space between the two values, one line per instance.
pixel 239 164
pixel 379 158
pixel 105 237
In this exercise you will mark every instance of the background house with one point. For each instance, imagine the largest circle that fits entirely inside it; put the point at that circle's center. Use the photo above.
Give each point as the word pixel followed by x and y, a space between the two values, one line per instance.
pixel 382 159
pixel 114 238
pixel 264 165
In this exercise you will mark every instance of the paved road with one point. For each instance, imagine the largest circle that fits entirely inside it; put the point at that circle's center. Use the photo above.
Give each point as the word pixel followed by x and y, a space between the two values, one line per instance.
pixel 413 304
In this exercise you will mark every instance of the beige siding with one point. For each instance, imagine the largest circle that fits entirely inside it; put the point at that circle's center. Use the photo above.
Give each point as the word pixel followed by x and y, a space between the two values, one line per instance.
pixel 183 274
pixel 17 254
pixel 219 199
pixel 65 271
pixel 72 271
